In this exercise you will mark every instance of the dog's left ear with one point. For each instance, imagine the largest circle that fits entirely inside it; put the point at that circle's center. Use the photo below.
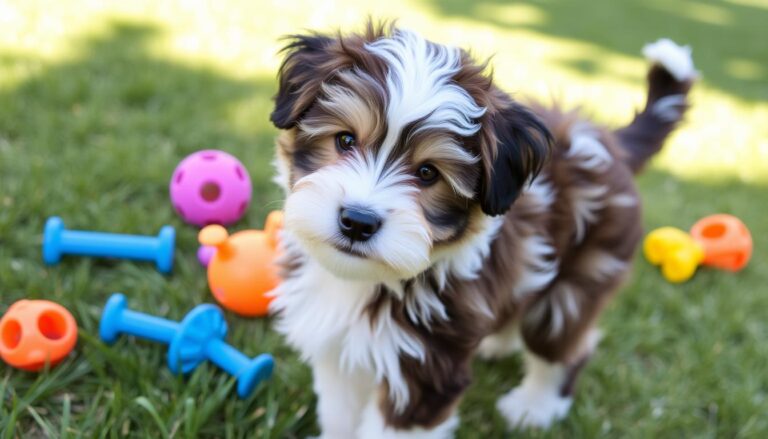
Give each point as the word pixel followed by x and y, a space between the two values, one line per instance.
pixel 309 60
pixel 515 144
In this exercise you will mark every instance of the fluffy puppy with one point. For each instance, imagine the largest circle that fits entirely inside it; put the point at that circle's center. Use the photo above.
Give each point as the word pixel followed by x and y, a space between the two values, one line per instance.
pixel 429 216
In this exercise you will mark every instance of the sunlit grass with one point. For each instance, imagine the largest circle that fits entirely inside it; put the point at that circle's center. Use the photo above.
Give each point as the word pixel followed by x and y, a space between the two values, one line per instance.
pixel 724 136
pixel 100 99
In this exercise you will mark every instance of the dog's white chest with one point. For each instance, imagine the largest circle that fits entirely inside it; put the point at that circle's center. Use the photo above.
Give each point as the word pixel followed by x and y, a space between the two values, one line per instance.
pixel 321 314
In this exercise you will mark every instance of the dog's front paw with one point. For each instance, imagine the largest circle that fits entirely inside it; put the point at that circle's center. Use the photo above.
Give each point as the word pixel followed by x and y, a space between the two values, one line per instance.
pixel 526 406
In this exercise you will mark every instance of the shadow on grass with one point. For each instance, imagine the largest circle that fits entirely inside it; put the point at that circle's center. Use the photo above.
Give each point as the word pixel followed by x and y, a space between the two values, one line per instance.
pixel 728 37
pixel 110 123
pixel 95 137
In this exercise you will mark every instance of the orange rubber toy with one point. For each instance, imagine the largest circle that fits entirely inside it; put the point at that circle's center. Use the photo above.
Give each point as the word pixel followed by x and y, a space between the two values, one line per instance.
pixel 242 270
pixel 34 333
pixel 726 240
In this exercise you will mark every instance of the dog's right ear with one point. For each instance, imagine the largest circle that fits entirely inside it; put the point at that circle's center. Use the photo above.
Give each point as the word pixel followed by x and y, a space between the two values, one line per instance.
pixel 309 60
pixel 515 145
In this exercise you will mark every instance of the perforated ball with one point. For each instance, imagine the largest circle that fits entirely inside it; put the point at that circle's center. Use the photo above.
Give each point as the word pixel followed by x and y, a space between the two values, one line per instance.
pixel 210 187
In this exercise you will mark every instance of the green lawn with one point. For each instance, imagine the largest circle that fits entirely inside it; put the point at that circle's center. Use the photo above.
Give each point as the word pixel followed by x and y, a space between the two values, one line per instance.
pixel 100 100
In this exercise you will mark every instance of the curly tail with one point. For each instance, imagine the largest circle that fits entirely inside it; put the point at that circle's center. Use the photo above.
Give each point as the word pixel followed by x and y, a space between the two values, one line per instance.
pixel 669 79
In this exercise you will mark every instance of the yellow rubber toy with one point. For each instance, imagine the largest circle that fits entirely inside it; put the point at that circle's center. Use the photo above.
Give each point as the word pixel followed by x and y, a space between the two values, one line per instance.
pixel 675 251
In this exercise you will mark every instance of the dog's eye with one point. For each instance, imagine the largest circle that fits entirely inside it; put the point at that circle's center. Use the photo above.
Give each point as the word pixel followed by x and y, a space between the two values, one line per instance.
pixel 345 141
pixel 427 174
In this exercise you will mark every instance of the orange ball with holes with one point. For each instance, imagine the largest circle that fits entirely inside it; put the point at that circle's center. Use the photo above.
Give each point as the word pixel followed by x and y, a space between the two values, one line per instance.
pixel 34 333
pixel 242 269
pixel 726 240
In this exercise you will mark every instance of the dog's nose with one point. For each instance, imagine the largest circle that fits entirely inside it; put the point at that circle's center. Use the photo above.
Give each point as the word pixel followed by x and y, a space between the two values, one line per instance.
pixel 358 224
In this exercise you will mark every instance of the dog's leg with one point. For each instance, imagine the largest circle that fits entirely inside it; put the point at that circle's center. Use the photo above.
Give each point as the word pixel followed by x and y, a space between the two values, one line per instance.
pixel 545 394
pixel 557 326
pixel 559 336
pixel 429 409
pixel 374 426
pixel 341 398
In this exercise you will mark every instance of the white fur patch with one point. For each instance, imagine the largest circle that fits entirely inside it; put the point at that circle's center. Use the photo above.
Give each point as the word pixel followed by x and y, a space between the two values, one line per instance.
pixel 341 396
pixel 560 303
pixel 586 201
pixel 669 108
pixel 536 402
pixel 317 308
pixel 420 86
pixel 601 265
pixel 480 304
pixel 622 200
pixel 540 266
pixel 502 343
pixel 673 57
pixel 282 174
pixel 591 340
pixel 373 427
pixel 465 258
pixel 586 149
pixel 541 193
pixel 423 305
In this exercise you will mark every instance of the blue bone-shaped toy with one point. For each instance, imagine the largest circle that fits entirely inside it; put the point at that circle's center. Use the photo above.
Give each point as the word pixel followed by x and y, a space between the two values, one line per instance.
pixel 57 240
pixel 198 337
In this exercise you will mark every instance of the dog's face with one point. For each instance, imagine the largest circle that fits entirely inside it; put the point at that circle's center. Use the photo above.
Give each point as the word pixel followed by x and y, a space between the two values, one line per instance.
pixel 394 149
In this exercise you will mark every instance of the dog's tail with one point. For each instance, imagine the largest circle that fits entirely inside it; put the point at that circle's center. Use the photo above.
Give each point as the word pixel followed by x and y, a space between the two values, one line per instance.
pixel 669 80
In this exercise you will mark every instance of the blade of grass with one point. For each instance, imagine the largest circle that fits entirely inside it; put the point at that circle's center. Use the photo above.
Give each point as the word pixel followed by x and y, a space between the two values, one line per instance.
pixel 147 405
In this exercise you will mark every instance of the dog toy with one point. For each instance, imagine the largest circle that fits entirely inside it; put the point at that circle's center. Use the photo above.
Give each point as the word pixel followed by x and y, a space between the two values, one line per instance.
pixel 242 269
pixel 210 187
pixel 205 254
pixel 726 240
pixel 198 337
pixel 720 241
pixel 675 251
pixel 34 333
pixel 58 241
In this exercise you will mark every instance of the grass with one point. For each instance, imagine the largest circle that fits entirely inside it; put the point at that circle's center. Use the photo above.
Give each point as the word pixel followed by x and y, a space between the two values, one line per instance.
pixel 100 100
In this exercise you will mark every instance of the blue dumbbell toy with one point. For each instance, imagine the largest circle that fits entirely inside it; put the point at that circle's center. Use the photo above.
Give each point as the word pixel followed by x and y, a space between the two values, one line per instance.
pixel 198 337
pixel 57 241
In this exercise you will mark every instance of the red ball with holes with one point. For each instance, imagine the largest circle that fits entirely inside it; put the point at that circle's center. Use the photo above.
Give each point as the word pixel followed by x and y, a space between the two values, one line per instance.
pixel 726 240
pixel 34 333
pixel 210 187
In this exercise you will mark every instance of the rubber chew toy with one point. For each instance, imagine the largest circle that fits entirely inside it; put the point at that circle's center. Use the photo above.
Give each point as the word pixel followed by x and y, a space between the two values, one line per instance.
pixel 675 251
pixel 204 254
pixel 210 187
pixel 720 241
pixel 58 241
pixel 199 336
pixel 242 270
pixel 726 240
pixel 34 333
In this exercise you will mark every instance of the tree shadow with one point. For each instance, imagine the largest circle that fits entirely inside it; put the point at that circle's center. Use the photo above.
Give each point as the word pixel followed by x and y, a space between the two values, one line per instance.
pixel 104 129
pixel 728 37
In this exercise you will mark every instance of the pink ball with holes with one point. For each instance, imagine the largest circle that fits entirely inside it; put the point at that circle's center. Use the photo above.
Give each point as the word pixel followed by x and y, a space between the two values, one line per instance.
pixel 210 187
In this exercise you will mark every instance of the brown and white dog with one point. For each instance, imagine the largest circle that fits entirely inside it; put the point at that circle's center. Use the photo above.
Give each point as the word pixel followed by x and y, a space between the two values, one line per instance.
pixel 431 217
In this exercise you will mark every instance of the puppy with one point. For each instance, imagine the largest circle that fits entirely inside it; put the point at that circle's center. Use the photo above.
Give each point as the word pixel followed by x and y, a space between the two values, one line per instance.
pixel 429 217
